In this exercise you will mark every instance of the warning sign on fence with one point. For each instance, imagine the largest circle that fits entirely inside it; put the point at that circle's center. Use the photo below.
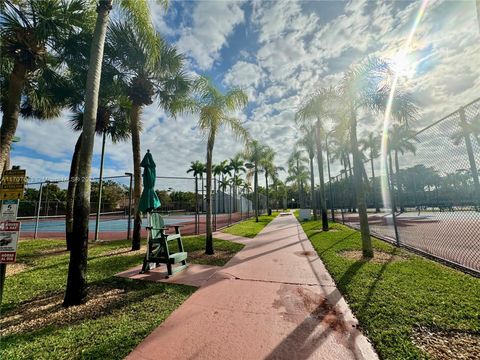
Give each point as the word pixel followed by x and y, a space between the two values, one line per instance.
pixel 13 184
pixel 9 231
pixel 9 210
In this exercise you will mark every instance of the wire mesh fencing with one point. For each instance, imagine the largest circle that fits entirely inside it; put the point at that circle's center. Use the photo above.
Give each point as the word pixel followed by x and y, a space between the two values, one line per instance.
pixel 112 205
pixel 427 196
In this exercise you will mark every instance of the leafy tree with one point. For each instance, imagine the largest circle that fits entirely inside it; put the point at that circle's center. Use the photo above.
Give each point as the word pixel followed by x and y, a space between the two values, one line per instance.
pixel 112 194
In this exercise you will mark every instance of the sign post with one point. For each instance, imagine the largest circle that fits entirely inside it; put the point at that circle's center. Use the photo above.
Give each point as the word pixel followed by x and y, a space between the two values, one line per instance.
pixel 11 190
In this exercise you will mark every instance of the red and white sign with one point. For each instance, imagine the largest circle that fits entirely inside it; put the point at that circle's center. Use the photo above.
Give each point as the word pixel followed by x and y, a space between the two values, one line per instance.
pixel 9 231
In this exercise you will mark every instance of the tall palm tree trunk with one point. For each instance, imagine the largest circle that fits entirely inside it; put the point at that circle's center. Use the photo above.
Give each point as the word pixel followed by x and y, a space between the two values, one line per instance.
pixel 197 220
pixel 374 190
pixel 352 179
pixel 12 111
pixel 137 175
pixel 72 185
pixel 323 203
pixel 367 249
pixel 312 185
pixel 76 291
pixel 255 186
pixel 209 237
pixel 266 190
pixel 234 193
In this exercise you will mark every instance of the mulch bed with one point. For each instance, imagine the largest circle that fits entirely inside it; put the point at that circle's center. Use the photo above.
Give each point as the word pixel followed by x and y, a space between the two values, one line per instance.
pixel 48 310
pixel 200 254
pixel 379 257
pixel 447 345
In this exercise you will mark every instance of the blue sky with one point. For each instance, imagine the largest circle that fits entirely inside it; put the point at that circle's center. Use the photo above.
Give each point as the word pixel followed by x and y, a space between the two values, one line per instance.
pixel 279 52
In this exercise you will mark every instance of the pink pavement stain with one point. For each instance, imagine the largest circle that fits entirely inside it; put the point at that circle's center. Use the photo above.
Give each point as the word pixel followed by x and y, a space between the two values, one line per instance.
pixel 273 300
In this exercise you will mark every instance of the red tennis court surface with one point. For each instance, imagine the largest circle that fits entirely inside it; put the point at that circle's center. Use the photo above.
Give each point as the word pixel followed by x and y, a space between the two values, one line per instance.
pixel 453 236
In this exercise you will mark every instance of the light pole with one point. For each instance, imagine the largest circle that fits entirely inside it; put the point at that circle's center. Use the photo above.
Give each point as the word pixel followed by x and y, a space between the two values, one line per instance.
pixel 129 226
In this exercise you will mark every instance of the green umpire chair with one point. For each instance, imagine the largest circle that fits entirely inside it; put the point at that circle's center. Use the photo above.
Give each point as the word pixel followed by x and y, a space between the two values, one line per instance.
pixel 158 248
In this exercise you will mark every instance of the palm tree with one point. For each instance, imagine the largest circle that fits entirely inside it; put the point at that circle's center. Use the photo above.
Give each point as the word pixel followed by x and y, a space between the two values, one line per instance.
pixel 314 112
pixel 365 86
pixel 298 172
pixel 254 155
pixel 197 168
pixel 269 168
pixel 33 35
pixel 308 142
pixel 215 108
pixel 149 77
pixel 341 152
pixel 222 170
pixel 247 188
pixel 237 166
pixel 400 141
pixel 463 134
pixel 138 14
pixel 237 183
pixel 372 144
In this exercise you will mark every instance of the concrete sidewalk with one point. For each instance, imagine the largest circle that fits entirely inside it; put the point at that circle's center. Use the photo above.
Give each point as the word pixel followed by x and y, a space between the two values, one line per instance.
pixel 273 300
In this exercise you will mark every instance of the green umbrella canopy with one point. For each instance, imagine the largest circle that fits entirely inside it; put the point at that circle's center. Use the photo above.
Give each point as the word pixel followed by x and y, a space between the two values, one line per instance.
pixel 149 200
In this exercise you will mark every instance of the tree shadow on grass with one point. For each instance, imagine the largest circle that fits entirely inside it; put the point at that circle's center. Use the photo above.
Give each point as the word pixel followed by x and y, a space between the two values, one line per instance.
pixel 106 298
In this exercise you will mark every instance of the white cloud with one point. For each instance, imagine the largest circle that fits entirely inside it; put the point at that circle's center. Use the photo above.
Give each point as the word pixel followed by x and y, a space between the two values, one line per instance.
pixel 213 22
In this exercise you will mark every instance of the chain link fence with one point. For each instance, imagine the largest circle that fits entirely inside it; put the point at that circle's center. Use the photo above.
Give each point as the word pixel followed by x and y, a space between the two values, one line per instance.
pixel 43 209
pixel 428 197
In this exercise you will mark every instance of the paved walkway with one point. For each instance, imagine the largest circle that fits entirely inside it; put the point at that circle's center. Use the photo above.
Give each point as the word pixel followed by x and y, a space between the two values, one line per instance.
pixel 273 300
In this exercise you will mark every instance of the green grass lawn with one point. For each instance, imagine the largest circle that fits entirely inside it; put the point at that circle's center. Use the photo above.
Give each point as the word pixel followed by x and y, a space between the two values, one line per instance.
pixel 119 312
pixel 393 299
pixel 249 228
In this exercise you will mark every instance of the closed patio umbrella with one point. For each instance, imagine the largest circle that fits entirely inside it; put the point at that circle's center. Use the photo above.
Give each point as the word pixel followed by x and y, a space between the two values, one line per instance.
pixel 149 200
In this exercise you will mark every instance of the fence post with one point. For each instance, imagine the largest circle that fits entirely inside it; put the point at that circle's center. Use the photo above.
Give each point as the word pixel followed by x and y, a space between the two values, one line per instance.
pixel 214 204
pixel 39 206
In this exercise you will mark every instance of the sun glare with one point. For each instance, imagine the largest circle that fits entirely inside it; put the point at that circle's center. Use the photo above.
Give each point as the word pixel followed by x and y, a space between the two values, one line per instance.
pixel 402 65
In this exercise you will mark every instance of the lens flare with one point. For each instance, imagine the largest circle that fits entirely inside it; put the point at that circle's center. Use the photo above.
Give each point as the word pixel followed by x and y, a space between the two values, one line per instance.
pixel 401 64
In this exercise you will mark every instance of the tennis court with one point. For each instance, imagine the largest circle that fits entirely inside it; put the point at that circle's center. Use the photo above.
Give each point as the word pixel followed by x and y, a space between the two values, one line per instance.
pixel 114 226
pixel 450 235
